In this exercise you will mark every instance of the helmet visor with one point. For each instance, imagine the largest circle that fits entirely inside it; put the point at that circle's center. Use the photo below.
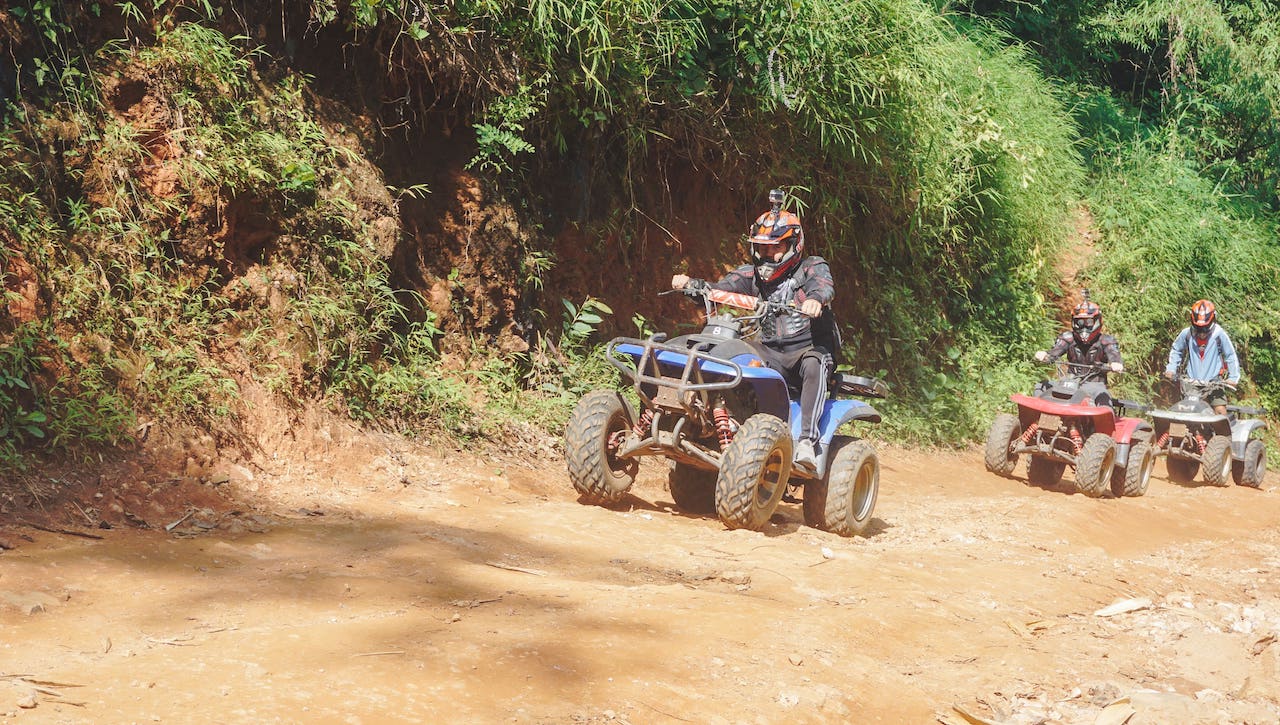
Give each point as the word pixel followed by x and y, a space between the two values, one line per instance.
pixel 1201 332
pixel 1085 326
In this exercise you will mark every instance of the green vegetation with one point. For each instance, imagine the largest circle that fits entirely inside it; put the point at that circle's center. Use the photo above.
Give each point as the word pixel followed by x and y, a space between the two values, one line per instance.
pixel 196 219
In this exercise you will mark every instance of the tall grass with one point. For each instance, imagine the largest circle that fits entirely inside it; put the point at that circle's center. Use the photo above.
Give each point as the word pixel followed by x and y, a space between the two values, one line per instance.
pixel 1170 237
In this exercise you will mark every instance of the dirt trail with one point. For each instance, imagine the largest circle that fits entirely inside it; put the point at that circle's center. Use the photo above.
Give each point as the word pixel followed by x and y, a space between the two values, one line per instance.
pixel 388 583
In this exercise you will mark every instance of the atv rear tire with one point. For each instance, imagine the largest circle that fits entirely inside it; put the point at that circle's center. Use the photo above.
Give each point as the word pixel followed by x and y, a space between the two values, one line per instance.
pixel 843 500
pixel 692 489
pixel 1132 480
pixel 754 472
pixel 1216 461
pixel 1045 472
pixel 1005 429
pixel 1253 468
pixel 596 474
pixel 1094 464
pixel 1181 470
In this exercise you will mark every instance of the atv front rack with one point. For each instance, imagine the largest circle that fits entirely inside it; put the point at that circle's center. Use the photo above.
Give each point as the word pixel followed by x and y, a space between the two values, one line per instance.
pixel 695 365
pixel 672 380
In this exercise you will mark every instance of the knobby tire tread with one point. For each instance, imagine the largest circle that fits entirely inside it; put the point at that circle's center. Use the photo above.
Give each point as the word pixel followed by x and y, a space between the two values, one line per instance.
pixel 1137 474
pixel 833 503
pixel 1216 471
pixel 997 458
pixel 740 472
pixel 586 454
pixel 1254 465
pixel 1093 467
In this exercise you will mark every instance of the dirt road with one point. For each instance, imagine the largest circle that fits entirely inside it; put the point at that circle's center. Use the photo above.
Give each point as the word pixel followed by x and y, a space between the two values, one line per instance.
pixel 378 582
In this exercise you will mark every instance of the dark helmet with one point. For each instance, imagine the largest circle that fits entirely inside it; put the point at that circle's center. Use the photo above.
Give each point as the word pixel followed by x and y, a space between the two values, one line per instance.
pixel 776 227
pixel 1203 315
pixel 1086 322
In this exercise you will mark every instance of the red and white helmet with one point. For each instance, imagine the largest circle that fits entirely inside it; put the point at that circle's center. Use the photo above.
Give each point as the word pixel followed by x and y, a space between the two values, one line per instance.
pixel 1203 314
pixel 772 228
pixel 1086 322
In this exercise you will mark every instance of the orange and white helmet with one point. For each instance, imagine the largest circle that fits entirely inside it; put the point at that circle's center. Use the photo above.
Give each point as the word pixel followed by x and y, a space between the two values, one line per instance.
pixel 772 228
pixel 1086 322
pixel 1203 314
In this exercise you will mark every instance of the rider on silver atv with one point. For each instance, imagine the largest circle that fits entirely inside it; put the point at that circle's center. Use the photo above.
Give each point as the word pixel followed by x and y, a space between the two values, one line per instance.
pixel 1085 344
pixel 800 344
pixel 1208 353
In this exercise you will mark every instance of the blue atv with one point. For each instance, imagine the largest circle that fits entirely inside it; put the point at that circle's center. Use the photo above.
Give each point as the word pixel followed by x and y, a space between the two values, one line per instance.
pixel 727 425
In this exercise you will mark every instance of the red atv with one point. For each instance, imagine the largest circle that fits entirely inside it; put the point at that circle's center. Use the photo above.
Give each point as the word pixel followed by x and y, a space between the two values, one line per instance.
pixel 1075 422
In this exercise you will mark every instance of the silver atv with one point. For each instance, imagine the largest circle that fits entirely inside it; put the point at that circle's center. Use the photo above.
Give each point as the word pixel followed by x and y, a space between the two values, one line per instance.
pixel 1191 436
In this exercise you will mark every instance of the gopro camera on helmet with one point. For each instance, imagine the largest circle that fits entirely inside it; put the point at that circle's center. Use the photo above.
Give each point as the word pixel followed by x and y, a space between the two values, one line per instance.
pixel 776 196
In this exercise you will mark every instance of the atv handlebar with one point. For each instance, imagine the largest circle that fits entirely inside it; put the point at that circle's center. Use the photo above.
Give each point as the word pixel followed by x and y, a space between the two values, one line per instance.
pixel 1204 386
pixel 757 305
pixel 1082 371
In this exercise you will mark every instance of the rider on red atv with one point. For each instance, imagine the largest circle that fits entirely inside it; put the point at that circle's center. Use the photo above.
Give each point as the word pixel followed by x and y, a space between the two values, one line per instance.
pixel 1085 344
pixel 802 344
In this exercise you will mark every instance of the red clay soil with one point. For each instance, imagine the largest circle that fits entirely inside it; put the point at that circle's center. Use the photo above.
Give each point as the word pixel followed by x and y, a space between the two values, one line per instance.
pixel 347 577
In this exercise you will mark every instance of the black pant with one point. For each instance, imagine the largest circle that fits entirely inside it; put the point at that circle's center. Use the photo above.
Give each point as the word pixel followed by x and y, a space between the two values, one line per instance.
pixel 807 370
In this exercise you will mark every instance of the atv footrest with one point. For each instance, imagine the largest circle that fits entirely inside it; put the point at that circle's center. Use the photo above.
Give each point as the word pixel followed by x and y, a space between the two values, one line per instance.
pixel 863 386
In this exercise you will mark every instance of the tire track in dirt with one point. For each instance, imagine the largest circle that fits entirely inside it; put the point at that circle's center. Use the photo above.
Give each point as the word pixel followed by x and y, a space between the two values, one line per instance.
pixel 483 592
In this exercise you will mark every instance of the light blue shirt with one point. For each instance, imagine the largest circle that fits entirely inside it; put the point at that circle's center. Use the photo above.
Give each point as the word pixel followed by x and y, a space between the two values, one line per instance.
pixel 1219 353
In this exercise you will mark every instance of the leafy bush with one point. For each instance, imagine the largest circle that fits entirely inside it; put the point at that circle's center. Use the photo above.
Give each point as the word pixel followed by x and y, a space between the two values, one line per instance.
pixel 1170 237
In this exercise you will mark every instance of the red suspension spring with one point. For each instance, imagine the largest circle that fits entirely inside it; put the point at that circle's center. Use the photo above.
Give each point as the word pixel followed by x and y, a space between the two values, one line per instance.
pixel 1030 433
pixel 642 425
pixel 1077 440
pixel 724 427
pixel 1200 443
pixel 1164 438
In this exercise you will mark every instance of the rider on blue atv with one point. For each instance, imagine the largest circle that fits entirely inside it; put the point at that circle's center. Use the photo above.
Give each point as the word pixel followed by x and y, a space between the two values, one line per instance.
pixel 802 344
pixel 1086 345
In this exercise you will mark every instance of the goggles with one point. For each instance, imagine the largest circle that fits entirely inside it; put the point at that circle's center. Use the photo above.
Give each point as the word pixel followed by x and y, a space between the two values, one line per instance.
pixel 1085 324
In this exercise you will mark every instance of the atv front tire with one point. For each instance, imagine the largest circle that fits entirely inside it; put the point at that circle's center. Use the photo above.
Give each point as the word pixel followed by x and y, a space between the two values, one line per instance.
pixel 692 489
pixel 1253 468
pixel 596 473
pixel 1005 429
pixel 1217 461
pixel 842 501
pixel 754 472
pixel 1045 472
pixel 1133 479
pixel 1093 466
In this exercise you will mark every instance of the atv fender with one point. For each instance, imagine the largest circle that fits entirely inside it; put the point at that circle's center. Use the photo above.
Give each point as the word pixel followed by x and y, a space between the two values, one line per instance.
pixel 835 413
pixel 1127 427
pixel 769 386
pixel 1240 433
pixel 1124 434
pixel 1029 408
pixel 1219 423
